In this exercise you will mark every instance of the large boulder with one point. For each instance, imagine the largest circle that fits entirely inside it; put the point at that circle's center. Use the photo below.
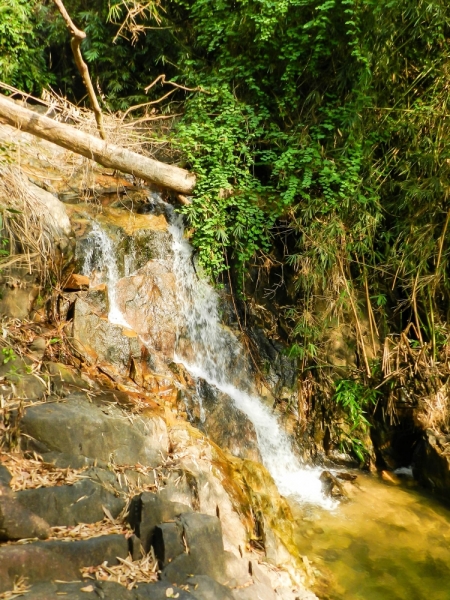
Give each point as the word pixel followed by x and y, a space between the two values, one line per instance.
pixel 67 505
pixel 80 427
pixel 431 462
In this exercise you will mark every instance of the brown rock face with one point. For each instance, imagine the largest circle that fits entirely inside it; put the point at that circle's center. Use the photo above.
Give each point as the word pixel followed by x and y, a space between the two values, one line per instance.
pixel 147 300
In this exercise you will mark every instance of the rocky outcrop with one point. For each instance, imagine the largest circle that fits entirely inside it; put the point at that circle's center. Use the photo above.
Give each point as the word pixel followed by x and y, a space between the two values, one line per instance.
pixel 431 462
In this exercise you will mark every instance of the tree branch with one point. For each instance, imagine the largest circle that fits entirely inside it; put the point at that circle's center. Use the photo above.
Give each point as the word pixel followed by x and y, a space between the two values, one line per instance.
pixel 77 37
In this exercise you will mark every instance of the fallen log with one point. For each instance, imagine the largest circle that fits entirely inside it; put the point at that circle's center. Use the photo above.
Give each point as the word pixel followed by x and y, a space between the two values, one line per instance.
pixel 106 154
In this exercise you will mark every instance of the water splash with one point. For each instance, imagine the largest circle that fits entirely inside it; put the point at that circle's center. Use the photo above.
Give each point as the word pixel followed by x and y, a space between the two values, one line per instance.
pixel 101 267
pixel 214 354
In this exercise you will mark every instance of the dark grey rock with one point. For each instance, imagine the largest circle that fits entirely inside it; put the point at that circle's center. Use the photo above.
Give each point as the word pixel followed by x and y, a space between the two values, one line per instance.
pixel 64 461
pixel 17 522
pixel 203 536
pixel 205 588
pixel 149 510
pixel 167 542
pixel 158 591
pixel 44 561
pixel 431 462
pixel 71 504
pixel 226 425
pixel 5 476
pixel 108 590
pixel 78 427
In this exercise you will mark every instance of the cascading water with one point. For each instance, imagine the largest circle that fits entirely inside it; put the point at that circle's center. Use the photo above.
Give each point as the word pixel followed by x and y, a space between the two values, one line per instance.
pixel 100 266
pixel 212 352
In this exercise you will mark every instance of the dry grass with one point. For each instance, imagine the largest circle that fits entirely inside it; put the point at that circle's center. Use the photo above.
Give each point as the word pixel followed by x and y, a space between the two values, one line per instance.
pixel 29 243
pixel 128 573
pixel 35 473
pixel 417 380
pixel 85 531
pixel 20 588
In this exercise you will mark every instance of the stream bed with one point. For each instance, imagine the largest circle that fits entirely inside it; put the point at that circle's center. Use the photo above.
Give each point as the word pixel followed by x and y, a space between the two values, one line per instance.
pixel 389 542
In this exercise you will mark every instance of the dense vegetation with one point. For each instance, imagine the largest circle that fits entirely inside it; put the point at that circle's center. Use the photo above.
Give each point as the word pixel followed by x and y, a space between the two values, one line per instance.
pixel 319 132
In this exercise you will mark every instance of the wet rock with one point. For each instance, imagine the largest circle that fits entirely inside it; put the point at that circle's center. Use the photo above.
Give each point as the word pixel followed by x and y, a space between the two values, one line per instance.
pixel 68 505
pixel 98 340
pixel 148 302
pixel 78 427
pixel 43 561
pixel 346 476
pixel 226 425
pixel 431 462
pixel 331 485
pixel 149 510
pixel 17 522
pixel 390 477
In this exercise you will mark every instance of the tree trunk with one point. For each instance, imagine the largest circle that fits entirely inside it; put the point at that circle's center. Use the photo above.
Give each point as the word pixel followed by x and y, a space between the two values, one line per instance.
pixel 106 154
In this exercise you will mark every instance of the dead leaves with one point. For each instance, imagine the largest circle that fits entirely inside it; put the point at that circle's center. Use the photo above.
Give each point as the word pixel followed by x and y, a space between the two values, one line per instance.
pixel 85 531
pixel 127 573
pixel 34 473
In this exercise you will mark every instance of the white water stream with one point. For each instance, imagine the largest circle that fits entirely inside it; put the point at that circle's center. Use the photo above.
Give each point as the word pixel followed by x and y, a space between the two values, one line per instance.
pixel 215 355
pixel 216 352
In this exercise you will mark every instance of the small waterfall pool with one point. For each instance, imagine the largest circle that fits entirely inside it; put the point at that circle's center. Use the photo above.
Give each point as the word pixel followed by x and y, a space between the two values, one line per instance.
pixel 388 543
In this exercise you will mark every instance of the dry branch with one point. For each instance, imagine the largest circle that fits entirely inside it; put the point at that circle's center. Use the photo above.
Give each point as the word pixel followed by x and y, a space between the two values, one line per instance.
pixel 77 37
pixel 108 155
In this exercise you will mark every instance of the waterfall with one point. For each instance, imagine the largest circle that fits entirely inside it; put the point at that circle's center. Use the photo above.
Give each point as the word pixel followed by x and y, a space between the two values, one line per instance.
pixel 216 356
pixel 211 352
pixel 101 267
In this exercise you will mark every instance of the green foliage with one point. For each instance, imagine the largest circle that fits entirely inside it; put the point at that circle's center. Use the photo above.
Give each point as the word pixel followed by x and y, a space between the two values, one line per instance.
pixel 8 355
pixel 355 399
pixel 22 61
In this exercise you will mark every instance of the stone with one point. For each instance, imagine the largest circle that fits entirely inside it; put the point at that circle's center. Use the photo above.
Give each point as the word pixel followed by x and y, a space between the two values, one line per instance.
pixel 17 302
pixel 205 588
pixel 167 542
pixel 5 477
pixel 55 559
pixel 236 570
pixel 38 347
pixel 98 340
pixel 17 522
pixel 78 427
pixel 431 462
pixel 148 302
pixel 226 425
pixel 161 590
pixel 149 510
pixel 76 282
pixel 17 372
pixel 81 590
pixel 64 379
pixel 205 552
pixel 68 505
pixel 55 217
